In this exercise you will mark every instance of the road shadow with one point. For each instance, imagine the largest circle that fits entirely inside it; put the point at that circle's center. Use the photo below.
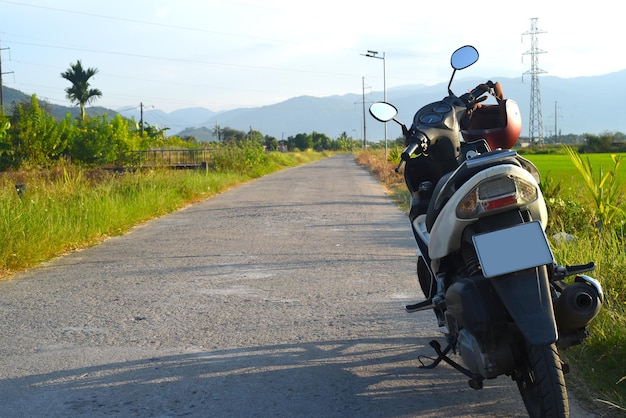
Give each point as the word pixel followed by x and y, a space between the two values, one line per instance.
pixel 351 378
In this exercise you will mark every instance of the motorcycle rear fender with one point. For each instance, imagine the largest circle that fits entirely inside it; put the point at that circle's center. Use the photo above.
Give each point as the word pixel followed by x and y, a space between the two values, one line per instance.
pixel 526 296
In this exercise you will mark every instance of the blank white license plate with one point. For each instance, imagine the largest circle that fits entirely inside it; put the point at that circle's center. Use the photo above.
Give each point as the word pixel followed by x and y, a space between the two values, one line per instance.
pixel 512 249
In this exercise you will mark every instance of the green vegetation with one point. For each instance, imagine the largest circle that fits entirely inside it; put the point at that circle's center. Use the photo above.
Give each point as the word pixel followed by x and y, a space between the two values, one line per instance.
pixel 599 362
pixel 80 92
pixel 45 213
pixel 585 198
pixel 560 168
pixel 603 188
pixel 31 137
pixel 58 184
pixel 598 367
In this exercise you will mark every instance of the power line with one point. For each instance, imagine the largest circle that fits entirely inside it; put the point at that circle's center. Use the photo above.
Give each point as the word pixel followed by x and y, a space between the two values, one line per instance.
pixel 189 29
pixel 143 22
pixel 217 61
pixel 181 60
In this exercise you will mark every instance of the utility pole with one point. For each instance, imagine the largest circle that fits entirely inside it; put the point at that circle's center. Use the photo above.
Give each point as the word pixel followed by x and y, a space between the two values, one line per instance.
pixel 364 136
pixel 535 127
pixel 556 133
pixel 374 54
pixel 141 122
pixel 1 85
pixel 141 118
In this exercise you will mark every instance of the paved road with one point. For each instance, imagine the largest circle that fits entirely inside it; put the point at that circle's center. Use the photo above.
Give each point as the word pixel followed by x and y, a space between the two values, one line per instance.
pixel 283 297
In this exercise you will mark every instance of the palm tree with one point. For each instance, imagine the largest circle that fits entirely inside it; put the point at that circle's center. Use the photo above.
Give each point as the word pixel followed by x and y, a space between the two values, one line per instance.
pixel 80 91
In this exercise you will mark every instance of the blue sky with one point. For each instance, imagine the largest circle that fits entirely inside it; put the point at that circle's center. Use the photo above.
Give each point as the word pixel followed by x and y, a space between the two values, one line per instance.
pixel 225 54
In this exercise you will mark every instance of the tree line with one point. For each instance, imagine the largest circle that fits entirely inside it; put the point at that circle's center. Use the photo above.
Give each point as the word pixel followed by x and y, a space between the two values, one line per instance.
pixel 30 136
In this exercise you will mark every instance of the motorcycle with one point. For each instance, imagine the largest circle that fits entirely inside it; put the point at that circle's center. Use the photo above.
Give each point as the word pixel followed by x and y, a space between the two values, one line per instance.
pixel 484 262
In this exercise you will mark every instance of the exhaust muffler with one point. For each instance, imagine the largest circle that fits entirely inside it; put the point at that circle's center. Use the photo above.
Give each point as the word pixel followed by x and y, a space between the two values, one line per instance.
pixel 578 304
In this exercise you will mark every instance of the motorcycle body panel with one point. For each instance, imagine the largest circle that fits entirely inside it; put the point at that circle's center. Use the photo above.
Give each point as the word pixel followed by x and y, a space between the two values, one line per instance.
pixel 515 257
pixel 445 235
pixel 422 237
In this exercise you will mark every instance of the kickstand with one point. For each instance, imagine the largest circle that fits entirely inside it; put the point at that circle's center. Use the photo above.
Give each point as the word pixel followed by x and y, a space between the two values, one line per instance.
pixel 475 382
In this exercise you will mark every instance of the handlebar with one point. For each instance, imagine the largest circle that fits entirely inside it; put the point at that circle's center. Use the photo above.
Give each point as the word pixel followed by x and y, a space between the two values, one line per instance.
pixel 475 96
pixel 481 89
pixel 406 154
pixel 418 144
pixel 408 151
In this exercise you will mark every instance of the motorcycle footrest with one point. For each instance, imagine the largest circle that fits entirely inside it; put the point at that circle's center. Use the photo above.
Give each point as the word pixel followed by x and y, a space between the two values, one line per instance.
pixel 579 268
pixel 565 271
pixel 420 306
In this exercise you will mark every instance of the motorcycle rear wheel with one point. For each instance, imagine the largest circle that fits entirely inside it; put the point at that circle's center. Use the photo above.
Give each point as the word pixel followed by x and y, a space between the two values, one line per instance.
pixel 542 385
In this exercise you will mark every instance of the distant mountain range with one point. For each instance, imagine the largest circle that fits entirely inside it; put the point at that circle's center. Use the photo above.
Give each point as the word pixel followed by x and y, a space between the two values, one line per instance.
pixel 12 96
pixel 572 105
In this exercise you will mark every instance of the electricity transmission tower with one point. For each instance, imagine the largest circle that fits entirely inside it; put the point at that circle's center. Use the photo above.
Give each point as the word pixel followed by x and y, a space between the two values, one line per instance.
pixel 535 127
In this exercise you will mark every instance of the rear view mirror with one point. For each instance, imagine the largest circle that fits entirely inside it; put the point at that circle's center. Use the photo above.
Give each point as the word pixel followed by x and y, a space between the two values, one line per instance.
pixel 464 57
pixel 383 111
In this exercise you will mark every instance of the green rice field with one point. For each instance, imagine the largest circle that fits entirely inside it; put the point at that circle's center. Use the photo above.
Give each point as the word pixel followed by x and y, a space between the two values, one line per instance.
pixel 560 169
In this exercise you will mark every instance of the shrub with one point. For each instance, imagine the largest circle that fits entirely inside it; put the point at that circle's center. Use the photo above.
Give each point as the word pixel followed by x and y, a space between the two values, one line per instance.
pixel 603 188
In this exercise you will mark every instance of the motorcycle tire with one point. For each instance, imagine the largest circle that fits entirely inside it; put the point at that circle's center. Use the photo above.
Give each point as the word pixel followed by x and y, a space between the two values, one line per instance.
pixel 542 384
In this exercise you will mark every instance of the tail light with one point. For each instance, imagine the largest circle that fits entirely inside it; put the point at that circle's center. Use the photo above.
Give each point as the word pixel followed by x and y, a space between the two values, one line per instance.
pixel 496 194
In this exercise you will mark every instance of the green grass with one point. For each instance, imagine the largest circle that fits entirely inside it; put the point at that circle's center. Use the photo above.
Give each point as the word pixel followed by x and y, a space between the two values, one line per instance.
pixel 599 369
pixel 68 208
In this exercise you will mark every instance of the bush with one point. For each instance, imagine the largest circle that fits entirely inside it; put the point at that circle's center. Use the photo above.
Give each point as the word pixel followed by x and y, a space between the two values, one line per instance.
pixel 37 138
pixel 100 141
pixel 603 188
pixel 239 157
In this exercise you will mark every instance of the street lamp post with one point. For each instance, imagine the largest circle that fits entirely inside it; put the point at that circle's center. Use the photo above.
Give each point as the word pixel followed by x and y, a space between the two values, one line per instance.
pixel 374 54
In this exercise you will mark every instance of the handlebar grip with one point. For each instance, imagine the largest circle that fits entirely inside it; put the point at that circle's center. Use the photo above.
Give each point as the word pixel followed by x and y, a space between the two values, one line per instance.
pixel 406 154
pixel 476 94
pixel 409 150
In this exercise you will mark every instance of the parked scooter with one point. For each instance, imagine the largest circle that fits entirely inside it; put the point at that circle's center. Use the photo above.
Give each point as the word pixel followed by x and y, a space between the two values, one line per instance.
pixel 483 260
